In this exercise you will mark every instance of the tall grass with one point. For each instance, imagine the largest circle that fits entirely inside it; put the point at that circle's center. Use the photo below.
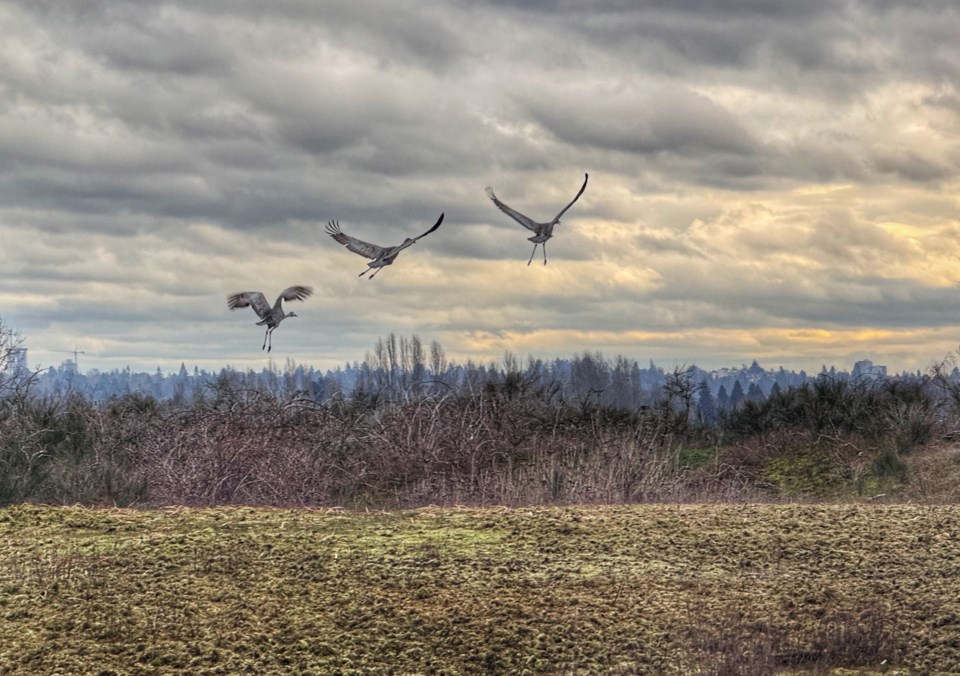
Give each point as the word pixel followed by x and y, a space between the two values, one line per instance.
pixel 507 441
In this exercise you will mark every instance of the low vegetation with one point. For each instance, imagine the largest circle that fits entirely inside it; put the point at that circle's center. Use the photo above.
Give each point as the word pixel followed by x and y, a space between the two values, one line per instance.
pixel 480 436
pixel 648 589
pixel 508 444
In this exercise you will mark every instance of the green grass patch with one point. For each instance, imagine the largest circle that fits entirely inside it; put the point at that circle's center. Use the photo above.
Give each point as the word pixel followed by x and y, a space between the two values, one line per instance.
pixel 695 458
pixel 628 589
pixel 804 471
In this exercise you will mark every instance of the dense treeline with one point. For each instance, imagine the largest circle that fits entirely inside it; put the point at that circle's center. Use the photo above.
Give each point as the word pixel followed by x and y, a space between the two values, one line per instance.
pixel 401 367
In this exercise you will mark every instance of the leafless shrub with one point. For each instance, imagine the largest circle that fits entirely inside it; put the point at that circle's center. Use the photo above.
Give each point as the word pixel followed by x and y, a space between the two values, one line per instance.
pixel 497 445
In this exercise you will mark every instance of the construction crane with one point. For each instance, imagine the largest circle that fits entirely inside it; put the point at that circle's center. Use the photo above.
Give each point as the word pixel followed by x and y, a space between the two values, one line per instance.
pixel 74 352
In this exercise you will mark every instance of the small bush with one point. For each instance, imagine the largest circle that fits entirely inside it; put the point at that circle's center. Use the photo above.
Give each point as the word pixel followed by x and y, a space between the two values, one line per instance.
pixel 65 450
pixel 889 466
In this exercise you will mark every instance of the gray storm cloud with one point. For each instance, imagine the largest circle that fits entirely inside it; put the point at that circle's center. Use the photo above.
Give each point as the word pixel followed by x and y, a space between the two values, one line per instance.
pixel 757 168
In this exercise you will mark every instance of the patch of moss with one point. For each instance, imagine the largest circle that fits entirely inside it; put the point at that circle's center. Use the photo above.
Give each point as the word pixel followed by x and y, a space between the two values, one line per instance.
pixel 805 471
pixel 626 589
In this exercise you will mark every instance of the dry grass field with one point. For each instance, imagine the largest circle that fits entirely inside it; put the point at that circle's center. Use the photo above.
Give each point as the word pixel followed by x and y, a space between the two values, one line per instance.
pixel 648 589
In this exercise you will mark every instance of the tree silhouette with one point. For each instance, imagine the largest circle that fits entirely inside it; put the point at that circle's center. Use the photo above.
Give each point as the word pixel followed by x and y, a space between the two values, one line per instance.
pixel 736 396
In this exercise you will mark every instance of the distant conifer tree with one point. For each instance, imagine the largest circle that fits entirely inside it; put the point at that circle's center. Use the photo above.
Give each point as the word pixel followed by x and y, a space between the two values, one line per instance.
pixel 736 395
pixel 723 399
pixel 706 406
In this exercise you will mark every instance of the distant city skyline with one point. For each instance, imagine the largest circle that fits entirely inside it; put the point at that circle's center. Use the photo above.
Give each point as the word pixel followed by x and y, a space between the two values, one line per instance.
pixel 768 179
pixel 615 381
pixel 862 367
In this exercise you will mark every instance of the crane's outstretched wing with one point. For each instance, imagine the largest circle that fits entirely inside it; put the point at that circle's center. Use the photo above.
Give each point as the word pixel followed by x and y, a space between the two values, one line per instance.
pixel 435 226
pixel 357 246
pixel 526 222
pixel 253 299
pixel 586 177
pixel 296 293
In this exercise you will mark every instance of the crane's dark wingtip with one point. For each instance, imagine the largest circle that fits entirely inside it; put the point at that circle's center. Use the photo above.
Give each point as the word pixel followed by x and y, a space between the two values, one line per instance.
pixel 432 228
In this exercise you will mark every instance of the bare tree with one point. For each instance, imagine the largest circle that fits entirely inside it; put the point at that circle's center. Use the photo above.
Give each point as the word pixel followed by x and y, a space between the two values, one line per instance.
pixel 16 377
pixel 438 359
pixel 680 389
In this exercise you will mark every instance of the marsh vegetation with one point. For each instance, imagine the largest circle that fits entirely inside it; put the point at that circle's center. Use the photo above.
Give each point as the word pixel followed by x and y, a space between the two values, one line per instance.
pixel 512 440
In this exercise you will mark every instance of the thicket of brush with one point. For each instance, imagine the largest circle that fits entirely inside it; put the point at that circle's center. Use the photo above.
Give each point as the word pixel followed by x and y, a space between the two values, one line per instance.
pixel 506 442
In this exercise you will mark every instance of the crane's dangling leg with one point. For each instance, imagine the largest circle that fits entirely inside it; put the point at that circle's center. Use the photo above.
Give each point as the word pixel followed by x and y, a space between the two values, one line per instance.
pixel 532 252
pixel 364 272
pixel 544 253
pixel 265 338
pixel 375 273
pixel 271 339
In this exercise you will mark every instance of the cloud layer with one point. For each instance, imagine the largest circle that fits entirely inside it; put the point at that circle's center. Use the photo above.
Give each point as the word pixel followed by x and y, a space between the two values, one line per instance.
pixel 768 179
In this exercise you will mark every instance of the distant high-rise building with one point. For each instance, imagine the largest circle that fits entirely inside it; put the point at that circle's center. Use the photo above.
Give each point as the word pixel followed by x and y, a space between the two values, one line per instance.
pixel 17 363
pixel 867 369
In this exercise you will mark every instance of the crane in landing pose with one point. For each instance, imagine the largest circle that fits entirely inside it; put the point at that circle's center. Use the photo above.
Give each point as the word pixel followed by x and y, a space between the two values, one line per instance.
pixel 270 316
pixel 381 255
pixel 542 231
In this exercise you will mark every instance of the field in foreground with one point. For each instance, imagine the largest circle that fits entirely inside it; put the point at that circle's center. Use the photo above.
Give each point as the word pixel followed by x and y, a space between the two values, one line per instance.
pixel 708 589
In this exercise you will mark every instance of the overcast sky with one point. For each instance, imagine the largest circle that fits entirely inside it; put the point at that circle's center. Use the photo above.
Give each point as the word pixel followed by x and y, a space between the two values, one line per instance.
pixel 768 179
